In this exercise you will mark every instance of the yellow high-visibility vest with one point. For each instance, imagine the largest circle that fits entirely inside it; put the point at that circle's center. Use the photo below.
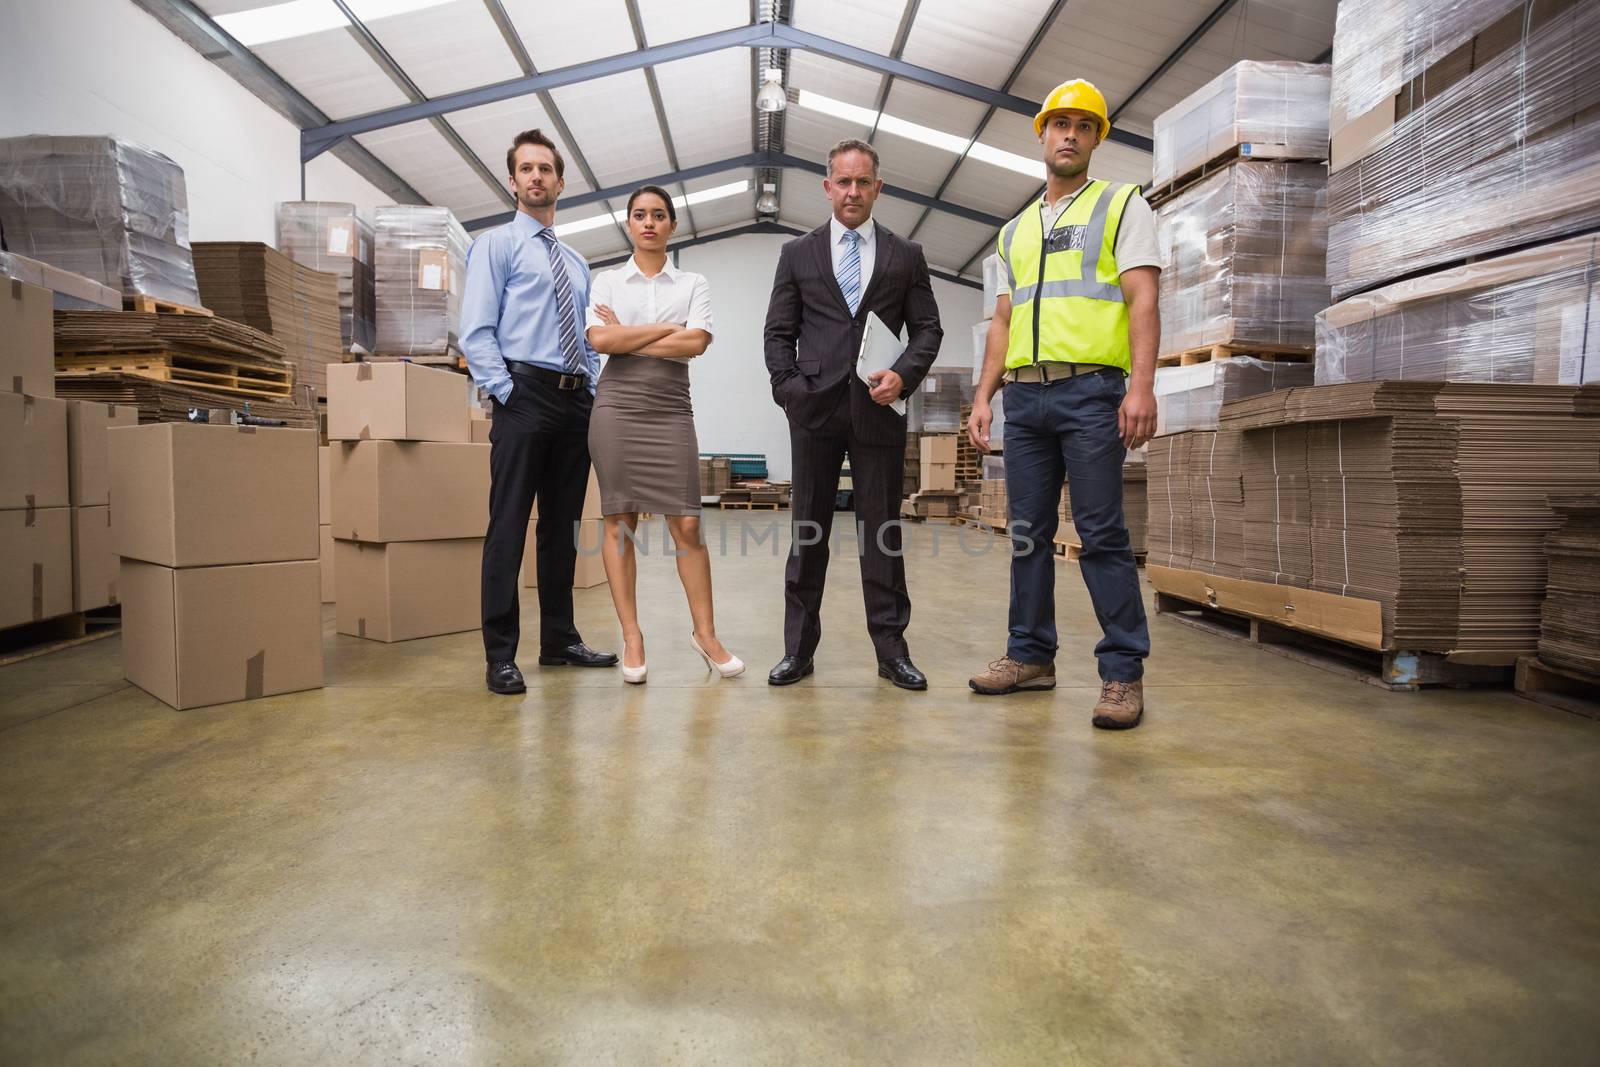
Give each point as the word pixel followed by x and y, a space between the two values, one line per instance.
pixel 1066 300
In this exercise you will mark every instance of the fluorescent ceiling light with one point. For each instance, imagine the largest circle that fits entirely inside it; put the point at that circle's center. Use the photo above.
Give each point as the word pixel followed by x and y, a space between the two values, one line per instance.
pixel 594 222
pixel 927 135
pixel 297 18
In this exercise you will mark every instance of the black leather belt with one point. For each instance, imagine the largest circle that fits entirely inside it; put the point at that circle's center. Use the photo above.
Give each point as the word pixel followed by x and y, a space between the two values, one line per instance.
pixel 1054 371
pixel 564 382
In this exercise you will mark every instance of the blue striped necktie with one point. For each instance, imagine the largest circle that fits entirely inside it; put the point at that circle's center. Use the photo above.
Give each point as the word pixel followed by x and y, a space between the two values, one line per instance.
pixel 566 310
pixel 850 270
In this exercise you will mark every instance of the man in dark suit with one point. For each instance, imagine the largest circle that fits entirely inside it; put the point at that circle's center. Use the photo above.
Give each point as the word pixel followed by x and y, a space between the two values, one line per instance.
pixel 827 283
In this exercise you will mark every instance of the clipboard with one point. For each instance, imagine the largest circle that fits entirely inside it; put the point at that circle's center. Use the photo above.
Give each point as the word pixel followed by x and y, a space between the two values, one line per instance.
pixel 880 349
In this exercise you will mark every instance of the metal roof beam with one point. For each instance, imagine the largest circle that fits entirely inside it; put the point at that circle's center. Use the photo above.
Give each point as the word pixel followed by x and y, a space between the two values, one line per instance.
pixel 752 159
pixel 766 35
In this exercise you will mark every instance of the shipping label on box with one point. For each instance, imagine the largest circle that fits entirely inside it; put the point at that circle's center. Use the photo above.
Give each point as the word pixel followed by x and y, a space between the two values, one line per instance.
pixel 33 452
pixel 433 269
pixel 197 495
pixel 1580 343
pixel 197 636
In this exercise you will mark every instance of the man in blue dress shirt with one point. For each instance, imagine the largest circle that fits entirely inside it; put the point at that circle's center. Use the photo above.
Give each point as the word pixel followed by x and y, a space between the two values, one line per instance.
pixel 522 329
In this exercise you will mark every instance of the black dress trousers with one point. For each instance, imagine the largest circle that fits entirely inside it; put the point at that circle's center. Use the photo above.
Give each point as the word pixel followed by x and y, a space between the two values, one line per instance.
pixel 538 448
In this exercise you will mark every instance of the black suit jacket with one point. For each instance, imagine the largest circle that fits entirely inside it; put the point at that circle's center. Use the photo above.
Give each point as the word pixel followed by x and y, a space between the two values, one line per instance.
pixel 812 339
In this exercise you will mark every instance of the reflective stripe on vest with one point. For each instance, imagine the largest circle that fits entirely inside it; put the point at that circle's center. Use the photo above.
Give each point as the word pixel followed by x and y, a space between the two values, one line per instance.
pixel 1079 320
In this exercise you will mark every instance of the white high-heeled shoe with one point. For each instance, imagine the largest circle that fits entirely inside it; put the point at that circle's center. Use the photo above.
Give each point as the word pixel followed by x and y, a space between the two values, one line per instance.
pixel 633 675
pixel 731 669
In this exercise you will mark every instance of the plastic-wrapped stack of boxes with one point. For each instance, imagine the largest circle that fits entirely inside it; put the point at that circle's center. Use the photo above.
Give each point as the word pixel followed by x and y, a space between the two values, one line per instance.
pixel 217 530
pixel 55 535
pixel 1269 109
pixel 409 501
pixel 1190 398
pixel 333 237
pixel 1461 128
pixel 111 210
pixel 421 265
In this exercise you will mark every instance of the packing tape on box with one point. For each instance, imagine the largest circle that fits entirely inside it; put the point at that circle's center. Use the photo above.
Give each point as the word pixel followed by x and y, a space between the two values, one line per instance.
pixel 246 429
pixel 363 372
pixel 16 383
pixel 255 675
pixel 29 512
pixel 16 288
pixel 111 591
pixel 361 627
pixel 38 590
pixel 27 410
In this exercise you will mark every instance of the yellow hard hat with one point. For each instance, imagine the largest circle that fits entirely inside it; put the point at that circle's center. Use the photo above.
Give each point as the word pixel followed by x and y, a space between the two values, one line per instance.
pixel 1076 95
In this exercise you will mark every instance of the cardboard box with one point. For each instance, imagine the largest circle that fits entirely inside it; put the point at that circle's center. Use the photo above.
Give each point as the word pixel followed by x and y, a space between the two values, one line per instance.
pixel 589 571
pixel 68 291
pixel 27 339
pixel 324 485
pixel 939 448
pixel 94 565
pixel 409 490
pixel 33 452
pixel 196 636
pixel 480 431
pixel 937 477
pixel 88 458
pixel 325 560
pixel 35 564
pixel 197 495
pixel 409 589
pixel 396 402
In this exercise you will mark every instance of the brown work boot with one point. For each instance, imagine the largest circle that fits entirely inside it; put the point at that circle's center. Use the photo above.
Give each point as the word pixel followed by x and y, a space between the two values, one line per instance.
pixel 1121 705
pixel 1006 675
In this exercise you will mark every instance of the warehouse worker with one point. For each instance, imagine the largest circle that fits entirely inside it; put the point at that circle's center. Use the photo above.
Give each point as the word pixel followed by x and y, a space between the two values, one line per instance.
pixel 1074 340
pixel 522 330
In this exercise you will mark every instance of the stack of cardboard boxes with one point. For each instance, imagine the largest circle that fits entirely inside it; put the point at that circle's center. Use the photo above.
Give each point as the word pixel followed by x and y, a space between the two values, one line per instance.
pixel 409 501
pixel 333 237
pixel 937 496
pixel 216 526
pixel 55 536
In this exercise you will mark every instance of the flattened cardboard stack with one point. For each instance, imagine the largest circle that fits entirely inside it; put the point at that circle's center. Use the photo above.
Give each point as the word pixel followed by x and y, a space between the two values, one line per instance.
pixel 110 210
pixel 1135 508
pixel 716 475
pixel 333 238
pixel 1244 255
pixel 1530 316
pixel 1460 128
pixel 165 364
pixel 1571 614
pixel 217 530
pixel 252 283
pixel 1196 502
pixel 409 501
pixel 420 267
pixel 1429 498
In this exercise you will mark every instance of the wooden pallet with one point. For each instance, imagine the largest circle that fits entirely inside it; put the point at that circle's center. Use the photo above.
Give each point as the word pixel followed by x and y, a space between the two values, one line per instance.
pixel 150 305
pixel 1558 687
pixel 212 372
pixel 1188 357
pixel 18 643
pixel 1280 153
pixel 1304 630
pixel 1073 550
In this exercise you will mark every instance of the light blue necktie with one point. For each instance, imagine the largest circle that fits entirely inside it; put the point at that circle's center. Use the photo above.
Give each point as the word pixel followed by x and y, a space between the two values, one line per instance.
pixel 850 271
pixel 566 310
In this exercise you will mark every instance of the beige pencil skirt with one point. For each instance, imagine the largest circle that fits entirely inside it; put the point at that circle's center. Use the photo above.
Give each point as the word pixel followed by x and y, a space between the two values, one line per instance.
pixel 642 440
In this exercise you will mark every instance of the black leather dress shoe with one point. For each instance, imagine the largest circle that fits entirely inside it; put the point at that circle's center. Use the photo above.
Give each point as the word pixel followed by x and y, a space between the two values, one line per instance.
pixel 578 655
pixel 504 678
pixel 790 669
pixel 903 673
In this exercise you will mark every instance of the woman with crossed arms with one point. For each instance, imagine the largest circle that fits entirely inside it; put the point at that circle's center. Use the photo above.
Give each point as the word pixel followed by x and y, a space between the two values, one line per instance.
pixel 651 318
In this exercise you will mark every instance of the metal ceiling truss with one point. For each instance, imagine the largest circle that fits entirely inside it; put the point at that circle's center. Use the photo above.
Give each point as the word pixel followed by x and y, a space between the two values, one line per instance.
pixel 771 160
pixel 769 125
pixel 1156 75
pixel 1034 42
pixel 777 35
pixel 196 29
pixel 637 23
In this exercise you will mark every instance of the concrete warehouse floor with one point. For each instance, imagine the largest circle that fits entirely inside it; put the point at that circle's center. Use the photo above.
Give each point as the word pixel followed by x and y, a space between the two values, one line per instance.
pixel 1282 865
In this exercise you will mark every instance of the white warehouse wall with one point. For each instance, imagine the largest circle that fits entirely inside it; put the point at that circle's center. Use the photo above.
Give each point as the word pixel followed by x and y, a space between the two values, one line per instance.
pixel 106 67
pixel 733 406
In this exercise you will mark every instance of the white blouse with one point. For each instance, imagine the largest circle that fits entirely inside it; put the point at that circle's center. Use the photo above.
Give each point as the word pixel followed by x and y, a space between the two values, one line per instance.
pixel 673 295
